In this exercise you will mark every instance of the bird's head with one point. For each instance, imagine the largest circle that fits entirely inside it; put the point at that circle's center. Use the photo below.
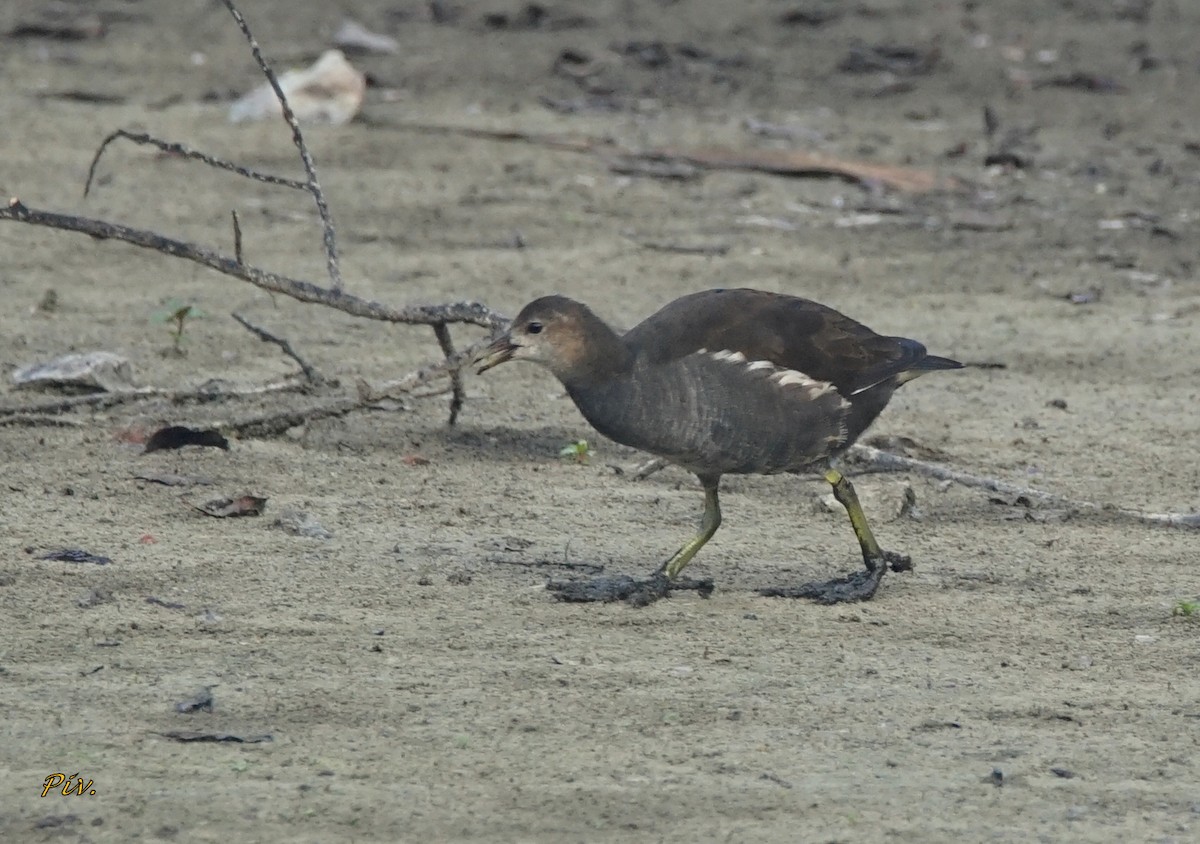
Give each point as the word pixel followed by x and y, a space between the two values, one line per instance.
pixel 557 332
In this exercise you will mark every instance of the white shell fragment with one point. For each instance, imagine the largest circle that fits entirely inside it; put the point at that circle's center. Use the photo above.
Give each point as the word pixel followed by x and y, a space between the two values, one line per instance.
pixel 331 91
pixel 353 36
pixel 100 371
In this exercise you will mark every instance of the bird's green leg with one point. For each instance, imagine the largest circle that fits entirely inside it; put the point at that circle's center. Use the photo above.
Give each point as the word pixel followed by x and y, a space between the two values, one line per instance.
pixel 708 526
pixel 862 585
pixel 844 492
pixel 641 592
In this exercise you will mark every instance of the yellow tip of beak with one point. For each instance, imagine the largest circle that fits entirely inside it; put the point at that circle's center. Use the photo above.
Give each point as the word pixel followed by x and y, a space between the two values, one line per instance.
pixel 497 353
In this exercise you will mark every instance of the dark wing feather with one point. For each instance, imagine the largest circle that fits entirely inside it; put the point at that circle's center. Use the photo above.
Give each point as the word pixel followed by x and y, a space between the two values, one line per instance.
pixel 788 331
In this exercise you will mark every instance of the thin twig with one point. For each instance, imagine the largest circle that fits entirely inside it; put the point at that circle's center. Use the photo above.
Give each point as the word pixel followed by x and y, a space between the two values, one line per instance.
pixel 99 401
pixel 310 373
pixel 303 291
pixel 887 461
pixel 313 186
pixel 668 160
pixel 432 394
pixel 273 424
pixel 237 237
pixel 870 459
pixel 442 332
pixel 39 422
pixel 706 249
pixel 187 152
pixel 438 315
pixel 456 362
pixel 65 404
pixel 651 466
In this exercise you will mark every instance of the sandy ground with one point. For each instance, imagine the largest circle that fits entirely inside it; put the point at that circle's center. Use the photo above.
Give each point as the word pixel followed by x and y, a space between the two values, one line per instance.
pixel 1031 680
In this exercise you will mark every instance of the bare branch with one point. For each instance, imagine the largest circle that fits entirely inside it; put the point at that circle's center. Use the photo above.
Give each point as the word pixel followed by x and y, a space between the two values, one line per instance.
pixel 456 362
pixel 889 462
pixel 98 401
pixel 645 470
pixel 442 332
pixel 674 162
pixel 439 315
pixel 868 459
pixel 187 152
pixel 23 421
pixel 237 238
pixel 303 291
pixel 311 374
pixel 313 187
pixel 272 424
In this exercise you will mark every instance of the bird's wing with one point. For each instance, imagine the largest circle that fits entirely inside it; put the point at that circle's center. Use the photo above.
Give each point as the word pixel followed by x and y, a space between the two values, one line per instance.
pixel 790 332
pixel 717 412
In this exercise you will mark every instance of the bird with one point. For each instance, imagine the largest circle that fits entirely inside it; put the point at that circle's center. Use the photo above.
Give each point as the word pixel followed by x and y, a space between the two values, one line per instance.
pixel 725 381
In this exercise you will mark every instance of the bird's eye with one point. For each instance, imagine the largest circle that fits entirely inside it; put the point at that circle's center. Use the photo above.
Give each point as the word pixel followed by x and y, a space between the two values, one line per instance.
pixel 533 328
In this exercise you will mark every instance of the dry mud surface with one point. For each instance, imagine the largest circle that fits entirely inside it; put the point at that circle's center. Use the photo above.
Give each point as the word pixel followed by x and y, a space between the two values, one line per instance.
pixel 415 679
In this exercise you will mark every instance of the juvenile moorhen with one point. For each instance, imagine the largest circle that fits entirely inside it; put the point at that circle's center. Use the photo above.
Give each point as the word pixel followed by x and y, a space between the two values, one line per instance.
pixel 725 382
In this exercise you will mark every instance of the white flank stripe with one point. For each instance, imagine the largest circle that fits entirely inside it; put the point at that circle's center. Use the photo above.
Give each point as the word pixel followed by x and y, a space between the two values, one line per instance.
pixel 783 377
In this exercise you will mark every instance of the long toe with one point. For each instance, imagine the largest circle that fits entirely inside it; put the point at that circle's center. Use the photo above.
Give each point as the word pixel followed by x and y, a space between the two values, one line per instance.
pixel 595 589
pixel 638 593
pixel 860 586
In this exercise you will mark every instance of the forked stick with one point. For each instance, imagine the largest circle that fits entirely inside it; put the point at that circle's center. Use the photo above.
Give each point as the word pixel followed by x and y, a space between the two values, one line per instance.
pixel 304 291
pixel 439 316
pixel 174 148
pixel 314 188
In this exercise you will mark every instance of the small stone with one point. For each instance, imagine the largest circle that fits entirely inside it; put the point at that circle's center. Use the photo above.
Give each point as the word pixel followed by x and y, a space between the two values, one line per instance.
pixel 95 371
pixel 300 523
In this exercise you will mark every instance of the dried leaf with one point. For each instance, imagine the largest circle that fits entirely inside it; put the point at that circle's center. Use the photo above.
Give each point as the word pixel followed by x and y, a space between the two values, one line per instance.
pixel 223 508
pixel 75 555
pixel 177 436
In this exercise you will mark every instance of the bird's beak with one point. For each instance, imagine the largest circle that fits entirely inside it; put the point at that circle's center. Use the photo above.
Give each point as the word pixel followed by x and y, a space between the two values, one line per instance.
pixel 500 351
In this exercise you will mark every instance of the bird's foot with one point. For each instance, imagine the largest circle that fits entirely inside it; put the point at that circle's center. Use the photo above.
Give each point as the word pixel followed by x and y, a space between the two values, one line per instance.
pixel 639 593
pixel 860 586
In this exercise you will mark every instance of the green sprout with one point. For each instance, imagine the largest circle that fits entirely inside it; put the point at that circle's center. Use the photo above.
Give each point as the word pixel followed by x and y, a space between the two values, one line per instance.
pixel 579 451
pixel 177 314
pixel 1186 609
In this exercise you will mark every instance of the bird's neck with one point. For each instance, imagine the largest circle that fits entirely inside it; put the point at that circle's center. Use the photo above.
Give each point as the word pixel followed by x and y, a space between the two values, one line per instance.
pixel 603 358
